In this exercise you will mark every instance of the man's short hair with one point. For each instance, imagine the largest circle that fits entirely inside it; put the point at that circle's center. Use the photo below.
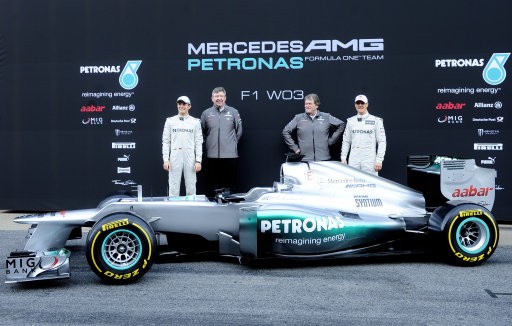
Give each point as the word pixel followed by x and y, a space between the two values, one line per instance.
pixel 313 97
pixel 218 90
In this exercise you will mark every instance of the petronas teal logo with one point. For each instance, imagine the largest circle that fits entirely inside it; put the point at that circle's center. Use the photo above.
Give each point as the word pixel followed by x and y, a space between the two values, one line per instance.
pixel 128 78
pixel 494 72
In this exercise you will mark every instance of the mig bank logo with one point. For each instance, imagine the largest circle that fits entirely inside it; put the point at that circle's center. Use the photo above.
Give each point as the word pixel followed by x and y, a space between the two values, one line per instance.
pixel 128 78
pixel 450 119
pixel 494 72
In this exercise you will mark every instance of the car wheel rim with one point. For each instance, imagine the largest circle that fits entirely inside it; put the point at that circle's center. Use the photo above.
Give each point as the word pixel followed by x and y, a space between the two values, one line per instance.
pixel 121 249
pixel 473 235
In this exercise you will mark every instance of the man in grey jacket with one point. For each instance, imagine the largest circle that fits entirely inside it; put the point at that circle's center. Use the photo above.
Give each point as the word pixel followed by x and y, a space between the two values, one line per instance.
pixel 315 130
pixel 222 129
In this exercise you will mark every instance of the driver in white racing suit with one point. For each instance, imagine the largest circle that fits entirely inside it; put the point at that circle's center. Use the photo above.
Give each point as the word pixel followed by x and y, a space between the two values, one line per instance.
pixel 182 148
pixel 364 138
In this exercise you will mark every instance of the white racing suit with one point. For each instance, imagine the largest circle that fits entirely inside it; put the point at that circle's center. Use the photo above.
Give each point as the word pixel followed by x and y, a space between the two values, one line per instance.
pixel 365 138
pixel 182 146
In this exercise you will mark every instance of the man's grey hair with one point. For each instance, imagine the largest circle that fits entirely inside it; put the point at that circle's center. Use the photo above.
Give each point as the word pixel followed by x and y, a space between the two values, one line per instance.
pixel 313 97
pixel 218 90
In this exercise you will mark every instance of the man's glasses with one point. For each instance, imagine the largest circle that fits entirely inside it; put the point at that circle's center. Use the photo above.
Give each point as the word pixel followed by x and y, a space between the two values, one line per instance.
pixel 360 102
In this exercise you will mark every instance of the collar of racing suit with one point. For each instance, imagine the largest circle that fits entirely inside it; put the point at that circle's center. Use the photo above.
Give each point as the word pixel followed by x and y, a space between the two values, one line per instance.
pixel 362 117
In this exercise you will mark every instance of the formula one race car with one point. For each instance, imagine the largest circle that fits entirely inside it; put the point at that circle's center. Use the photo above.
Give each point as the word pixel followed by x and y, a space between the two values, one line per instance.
pixel 318 210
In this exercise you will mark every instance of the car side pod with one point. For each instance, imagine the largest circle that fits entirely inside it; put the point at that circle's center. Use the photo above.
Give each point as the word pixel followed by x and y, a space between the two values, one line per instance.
pixel 248 235
pixel 465 232
pixel 27 266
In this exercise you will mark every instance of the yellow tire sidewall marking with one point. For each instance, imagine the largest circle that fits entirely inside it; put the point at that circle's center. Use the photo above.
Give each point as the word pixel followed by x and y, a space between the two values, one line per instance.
pixel 495 230
pixel 450 233
pixel 92 252
pixel 147 237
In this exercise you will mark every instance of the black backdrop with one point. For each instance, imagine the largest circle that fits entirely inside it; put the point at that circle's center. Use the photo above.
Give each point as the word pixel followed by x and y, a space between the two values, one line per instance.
pixel 59 58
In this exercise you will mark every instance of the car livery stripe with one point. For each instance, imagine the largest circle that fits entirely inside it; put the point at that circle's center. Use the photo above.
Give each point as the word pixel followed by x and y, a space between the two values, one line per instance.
pixel 147 237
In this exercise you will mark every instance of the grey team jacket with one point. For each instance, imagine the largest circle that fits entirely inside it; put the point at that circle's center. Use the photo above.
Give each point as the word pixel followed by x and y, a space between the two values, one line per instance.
pixel 222 131
pixel 313 134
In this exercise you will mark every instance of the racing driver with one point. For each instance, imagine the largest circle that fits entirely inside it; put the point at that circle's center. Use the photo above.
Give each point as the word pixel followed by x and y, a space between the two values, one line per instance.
pixel 364 138
pixel 182 150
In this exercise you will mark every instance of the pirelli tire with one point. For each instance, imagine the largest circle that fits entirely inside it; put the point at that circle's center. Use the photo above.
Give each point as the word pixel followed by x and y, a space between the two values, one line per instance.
pixel 470 235
pixel 121 248
pixel 113 199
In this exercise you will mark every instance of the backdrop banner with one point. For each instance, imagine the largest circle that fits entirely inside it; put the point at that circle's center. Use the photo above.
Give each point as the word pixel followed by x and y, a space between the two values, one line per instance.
pixel 86 86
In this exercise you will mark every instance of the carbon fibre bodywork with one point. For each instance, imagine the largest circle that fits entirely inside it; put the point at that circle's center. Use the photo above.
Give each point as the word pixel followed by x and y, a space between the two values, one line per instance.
pixel 317 210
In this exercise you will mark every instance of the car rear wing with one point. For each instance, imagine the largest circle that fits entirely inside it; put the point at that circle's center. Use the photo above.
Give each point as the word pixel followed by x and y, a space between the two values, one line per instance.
pixel 442 178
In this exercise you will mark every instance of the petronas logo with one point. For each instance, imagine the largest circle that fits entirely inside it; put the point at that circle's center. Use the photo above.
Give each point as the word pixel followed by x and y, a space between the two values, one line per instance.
pixel 128 78
pixel 494 72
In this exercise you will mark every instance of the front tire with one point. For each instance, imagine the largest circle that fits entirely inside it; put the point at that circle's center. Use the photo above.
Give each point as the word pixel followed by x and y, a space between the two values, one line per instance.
pixel 113 199
pixel 121 248
pixel 471 236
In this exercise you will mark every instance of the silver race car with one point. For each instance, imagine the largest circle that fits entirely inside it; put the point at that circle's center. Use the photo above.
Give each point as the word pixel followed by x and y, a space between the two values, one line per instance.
pixel 317 210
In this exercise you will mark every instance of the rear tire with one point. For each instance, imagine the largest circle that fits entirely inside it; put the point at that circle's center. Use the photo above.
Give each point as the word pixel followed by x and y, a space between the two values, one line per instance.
pixel 121 248
pixel 471 236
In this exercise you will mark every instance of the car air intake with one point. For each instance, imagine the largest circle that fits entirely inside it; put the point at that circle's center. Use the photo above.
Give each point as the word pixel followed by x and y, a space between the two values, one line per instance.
pixel 420 161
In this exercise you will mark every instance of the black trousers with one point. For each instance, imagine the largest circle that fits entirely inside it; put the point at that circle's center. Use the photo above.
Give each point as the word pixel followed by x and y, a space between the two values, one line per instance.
pixel 221 173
